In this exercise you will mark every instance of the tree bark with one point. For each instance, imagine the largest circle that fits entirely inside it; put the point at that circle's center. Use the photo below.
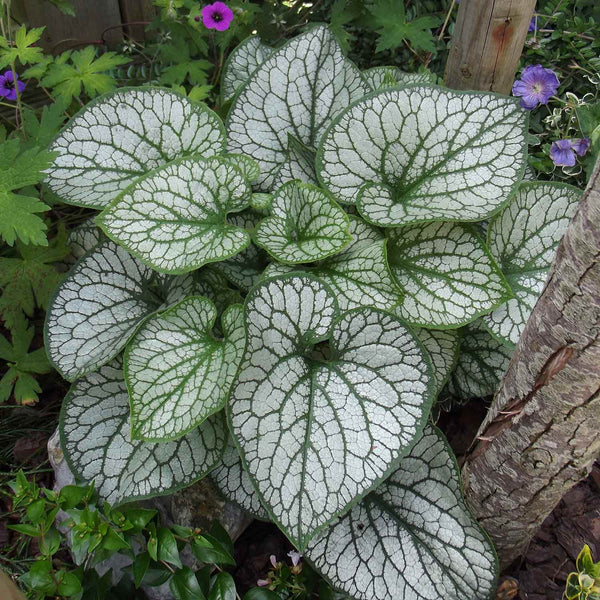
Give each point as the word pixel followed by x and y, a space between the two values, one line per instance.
pixel 542 433
pixel 487 43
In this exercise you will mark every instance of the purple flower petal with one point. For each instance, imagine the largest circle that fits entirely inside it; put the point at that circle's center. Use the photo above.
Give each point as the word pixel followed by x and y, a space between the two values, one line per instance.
pixel 536 86
pixel 562 154
pixel 217 16
pixel 8 76
pixel 531 25
pixel 581 146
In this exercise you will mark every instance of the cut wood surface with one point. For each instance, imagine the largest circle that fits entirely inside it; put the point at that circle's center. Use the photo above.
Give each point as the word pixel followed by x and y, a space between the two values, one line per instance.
pixel 487 43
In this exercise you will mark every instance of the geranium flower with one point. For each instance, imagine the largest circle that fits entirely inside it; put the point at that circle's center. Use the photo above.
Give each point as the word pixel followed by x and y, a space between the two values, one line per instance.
pixel 7 86
pixel 536 86
pixel 562 152
pixel 531 25
pixel 217 16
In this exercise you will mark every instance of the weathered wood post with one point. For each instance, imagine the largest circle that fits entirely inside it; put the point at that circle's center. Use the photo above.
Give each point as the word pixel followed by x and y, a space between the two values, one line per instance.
pixel 542 434
pixel 487 44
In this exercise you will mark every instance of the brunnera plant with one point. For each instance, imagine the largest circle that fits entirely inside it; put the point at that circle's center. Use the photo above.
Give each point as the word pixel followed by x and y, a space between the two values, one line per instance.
pixel 278 301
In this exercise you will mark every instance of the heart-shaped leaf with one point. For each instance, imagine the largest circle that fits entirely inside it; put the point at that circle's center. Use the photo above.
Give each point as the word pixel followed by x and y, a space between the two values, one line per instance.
pixel 523 239
pixel 324 406
pixel 82 239
pixel 424 153
pixel 174 219
pixel 305 225
pixel 96 309
pixel 240 64
pixel 123 135
pixel 482 360
pixel 299 164
pixel 297 91
pixel 95 437
pixel 235 484
pixel 177 372
pixel 442 346
pixel 385 77
pixel 412 537
pixel 448 276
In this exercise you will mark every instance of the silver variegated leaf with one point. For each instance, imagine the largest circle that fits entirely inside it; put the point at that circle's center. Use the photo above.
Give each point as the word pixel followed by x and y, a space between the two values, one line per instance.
pixel 447 274
pixel 412 538
pixel 177 372
pixel 482 361
pixel 297 91
pixel 241 63
pixel 96 309
pixel 323 407
pixel 174 219
pixel 424 153
pixel 95 437
pixel 305 225
pixel 123 135
pixel 385 77
pixel 82 239
pixel 245 164
pixel 523 238
pixel 299 165
pixel 442 346
pixel 235 484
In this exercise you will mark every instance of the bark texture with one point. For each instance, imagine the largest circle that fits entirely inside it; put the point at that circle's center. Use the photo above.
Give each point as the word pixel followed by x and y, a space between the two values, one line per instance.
pixel 542 433
pixel 487 43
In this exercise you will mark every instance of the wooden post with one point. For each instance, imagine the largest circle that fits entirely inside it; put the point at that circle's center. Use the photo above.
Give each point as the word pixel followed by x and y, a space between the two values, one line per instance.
pixel 487 44
pixel 542 433
pixel 133 11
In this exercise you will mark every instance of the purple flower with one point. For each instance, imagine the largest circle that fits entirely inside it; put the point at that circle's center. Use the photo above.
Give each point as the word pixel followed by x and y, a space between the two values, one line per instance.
pixel 7 86
pixel 562 152
pixel 295 556
pixel 531 24
pixel 535 86
pixel 263 582
pixel 217 16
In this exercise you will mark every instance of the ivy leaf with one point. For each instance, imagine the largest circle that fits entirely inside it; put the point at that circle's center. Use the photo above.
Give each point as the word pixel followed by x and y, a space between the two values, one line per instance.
pixel 446 273
pixel 524 238
pixel 95 437
pixel 22 50
pixel 123 136
pixel 482 361
pixel 27 281
pixel 424 153
pixel 298 90
pixel 22 364
pixel 235 484
pixel 19 169
pixel 177 373
pixel 240 64
pixel 174 220
pixel 324 405
pixel 413 536
pixel 86 73
pixel 393 29
pixel 305 225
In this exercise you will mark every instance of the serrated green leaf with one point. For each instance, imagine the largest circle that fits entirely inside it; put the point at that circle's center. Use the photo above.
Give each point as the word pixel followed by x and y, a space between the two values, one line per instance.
pixel 523 238
pixel 412 537
pixel 447 274
pixel 22 49
pixel 383 77
pixel 442 346
pixel 321 411
pixel 235 484
pixel 174 219
pixel 424 153
pixel 86 73
pixel 240 64
pixel 305 225
pixel 95 437
pixel 177 373
pixel 123 136
pixel 482 360
pixel 298 90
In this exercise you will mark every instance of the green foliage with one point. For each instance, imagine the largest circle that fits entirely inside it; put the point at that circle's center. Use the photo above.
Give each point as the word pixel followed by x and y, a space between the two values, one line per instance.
pixel 18 169
pixel 584 584
pixel 22 50
pixel 22 365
